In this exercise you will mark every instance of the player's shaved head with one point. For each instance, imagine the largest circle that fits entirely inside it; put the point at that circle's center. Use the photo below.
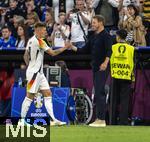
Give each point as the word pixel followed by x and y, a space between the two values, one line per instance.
pixel 39 25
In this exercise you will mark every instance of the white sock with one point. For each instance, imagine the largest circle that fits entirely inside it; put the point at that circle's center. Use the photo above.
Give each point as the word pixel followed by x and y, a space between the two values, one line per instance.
pixel 25 107
pixel 49 107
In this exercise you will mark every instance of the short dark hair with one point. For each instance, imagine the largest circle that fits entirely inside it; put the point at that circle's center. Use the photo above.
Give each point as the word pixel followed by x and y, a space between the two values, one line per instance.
pixel 39 25
pixel 99 18
pixel 6 27
pixel 122 33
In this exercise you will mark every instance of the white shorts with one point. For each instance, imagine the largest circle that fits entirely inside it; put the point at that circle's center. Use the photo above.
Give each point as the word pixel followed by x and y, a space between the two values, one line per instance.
pixel 36 82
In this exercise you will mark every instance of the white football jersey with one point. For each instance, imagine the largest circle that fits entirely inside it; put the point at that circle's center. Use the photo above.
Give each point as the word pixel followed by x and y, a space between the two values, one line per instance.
pixel 36 48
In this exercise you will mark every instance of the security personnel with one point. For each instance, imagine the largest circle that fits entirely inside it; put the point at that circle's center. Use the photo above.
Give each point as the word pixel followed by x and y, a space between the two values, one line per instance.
pixel 122 64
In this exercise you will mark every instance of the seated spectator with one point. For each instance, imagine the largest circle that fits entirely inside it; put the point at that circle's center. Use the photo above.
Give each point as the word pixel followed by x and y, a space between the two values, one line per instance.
pixel 7 41
pixel 17 19
pixel 65 79
pixel 61 32
pixel 132 22
pixel 80 20
pixel 22 36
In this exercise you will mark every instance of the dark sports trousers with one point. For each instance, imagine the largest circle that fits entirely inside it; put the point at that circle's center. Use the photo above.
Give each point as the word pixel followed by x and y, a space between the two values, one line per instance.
pixel 121 90
pixel 99 80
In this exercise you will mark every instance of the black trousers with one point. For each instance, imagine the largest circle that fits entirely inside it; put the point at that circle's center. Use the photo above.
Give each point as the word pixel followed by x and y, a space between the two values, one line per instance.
pixel 99 80
pixel 121 90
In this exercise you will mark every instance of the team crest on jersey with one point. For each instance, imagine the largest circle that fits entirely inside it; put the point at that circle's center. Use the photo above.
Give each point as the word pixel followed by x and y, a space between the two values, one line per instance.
pixel 38 100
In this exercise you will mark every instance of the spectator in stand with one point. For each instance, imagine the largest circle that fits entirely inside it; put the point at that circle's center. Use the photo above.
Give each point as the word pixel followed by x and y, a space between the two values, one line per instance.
pixel 49 20
pixel 110 13
pixel 146 14
pixel 90 9
pixel 2 17
pixel 40 3
pixel 91 12
pixel 22 36
pixel 132 22
pixel 62 6
pixel 4 3
pixel 17 19
pixel 124 3
pixel 13 10
pixel 61 32
pixel 122 6
pixel 31 7
pixel 32 18
pixel 7 41
pixel 80 20
pixel 22 7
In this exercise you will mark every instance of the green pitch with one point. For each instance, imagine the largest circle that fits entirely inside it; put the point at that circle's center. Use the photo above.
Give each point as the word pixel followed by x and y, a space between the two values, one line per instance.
pixel 18 138
pixel 107 134
pixel 87 134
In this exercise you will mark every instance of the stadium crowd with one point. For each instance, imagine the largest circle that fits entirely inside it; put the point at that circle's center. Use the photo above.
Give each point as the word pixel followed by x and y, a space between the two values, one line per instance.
pixel 68 20
pixel 71 20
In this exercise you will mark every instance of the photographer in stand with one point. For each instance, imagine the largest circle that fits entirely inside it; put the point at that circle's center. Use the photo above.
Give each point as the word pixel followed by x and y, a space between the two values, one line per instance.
pixel 80 20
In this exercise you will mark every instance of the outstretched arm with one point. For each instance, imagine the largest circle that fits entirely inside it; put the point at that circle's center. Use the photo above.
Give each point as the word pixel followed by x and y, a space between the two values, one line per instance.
pixel 55 52
pixel 58 51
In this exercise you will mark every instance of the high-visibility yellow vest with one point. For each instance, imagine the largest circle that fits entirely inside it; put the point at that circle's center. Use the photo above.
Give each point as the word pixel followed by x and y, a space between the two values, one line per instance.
pixel 122 61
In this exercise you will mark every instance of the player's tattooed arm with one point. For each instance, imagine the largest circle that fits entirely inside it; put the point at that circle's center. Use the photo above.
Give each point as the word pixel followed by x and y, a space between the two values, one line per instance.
pixel 58 51
pixel 26 57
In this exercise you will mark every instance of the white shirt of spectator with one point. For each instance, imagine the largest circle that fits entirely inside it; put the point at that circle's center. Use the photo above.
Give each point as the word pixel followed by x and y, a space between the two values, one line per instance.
pixel 36 48
pixel 58 39
pixel 115 3
pixel 21 44
pixel 69 6
pixel 127 2
pixel 76 31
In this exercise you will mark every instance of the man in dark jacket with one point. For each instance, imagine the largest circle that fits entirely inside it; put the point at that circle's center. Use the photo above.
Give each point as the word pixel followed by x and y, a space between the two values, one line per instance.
pixel 99 45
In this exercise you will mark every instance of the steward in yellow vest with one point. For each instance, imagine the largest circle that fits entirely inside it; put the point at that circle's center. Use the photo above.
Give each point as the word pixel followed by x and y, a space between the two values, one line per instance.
pixel 122 64
pixel 121 61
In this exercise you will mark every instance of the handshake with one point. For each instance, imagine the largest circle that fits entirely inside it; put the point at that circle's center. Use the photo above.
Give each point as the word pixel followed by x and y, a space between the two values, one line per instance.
pixel 70 46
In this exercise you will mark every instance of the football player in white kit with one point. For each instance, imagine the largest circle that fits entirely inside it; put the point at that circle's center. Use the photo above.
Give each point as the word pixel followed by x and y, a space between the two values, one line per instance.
pixel 33 57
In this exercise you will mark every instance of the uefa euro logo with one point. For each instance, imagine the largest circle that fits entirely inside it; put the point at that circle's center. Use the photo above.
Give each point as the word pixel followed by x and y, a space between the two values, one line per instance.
pixel 38 100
